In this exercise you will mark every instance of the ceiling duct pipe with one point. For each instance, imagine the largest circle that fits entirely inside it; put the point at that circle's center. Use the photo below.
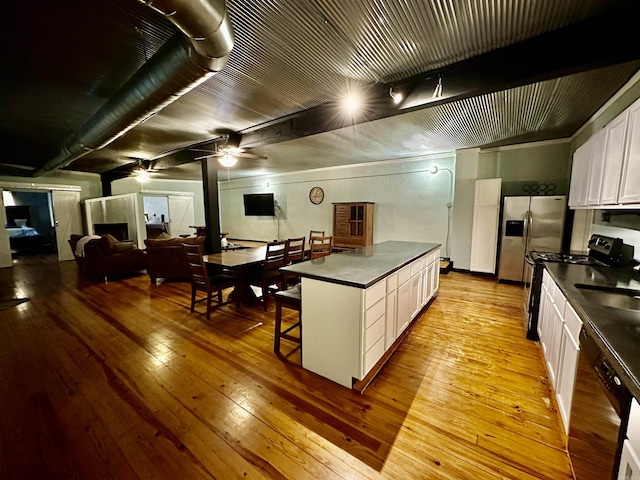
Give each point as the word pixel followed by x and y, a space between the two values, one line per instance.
pixel 180 65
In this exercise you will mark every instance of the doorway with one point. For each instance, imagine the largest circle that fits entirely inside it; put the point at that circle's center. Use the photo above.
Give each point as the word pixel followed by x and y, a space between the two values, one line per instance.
pixel 37 219
pixel 29 222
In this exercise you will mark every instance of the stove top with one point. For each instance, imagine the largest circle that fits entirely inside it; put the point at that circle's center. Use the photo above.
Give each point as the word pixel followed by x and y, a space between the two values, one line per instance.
pixel 562 258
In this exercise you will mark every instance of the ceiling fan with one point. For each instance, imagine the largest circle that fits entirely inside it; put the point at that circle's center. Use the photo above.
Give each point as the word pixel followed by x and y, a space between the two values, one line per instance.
pixel 142 172
pixel 228 151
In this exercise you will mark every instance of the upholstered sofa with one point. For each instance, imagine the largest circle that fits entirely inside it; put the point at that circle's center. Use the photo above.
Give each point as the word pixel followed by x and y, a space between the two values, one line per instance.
pixel 166 258
pixel 107 256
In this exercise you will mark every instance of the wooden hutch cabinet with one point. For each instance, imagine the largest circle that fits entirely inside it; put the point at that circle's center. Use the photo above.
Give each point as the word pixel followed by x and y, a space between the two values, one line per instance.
pixel 352 224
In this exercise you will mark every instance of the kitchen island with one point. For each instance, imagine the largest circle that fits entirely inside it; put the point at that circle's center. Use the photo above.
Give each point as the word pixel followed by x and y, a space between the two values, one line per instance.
pixel 357 306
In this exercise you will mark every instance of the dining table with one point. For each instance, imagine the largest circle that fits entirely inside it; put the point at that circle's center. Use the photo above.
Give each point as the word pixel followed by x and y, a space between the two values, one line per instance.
pixel 241 264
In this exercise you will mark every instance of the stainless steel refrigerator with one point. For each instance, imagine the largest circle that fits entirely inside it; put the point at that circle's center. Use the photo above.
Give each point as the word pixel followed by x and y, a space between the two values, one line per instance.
pixel 529 223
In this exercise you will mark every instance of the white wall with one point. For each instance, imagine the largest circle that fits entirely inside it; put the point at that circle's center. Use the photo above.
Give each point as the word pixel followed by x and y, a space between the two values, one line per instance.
pixel 410 202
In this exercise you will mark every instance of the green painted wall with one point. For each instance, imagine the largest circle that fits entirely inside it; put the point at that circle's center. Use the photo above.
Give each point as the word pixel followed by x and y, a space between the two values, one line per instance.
pixel 532 170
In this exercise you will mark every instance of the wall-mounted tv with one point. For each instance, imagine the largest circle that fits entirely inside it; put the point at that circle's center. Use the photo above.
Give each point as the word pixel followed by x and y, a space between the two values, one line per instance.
pixel 259 204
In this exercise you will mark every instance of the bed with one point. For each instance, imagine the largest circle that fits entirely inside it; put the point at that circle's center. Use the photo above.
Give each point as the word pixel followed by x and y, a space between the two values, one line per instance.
pixel 23 238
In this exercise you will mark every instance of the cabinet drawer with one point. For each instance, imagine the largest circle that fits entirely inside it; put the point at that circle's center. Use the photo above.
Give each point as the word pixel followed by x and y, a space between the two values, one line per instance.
pixel 374 333
pixel 392 282
pixel 374 293
pixel 633 430
pixel 373 355
pixel 404 274
pixel 372 314
pixel 416 266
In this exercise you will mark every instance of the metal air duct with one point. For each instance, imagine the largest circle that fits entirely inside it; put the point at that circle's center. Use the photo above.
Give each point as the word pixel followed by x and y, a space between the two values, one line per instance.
pixel 181 64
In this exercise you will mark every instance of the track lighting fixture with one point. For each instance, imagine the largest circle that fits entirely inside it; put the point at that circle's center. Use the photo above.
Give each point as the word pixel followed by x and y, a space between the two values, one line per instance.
pixel 437 92
pixel 396 96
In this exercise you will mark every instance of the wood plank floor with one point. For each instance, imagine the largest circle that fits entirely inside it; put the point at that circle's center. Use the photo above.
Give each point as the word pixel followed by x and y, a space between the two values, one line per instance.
pixel 119 380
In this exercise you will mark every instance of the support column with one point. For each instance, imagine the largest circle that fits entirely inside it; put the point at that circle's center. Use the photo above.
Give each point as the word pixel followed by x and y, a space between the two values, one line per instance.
pixel 106 185
pixel 211 205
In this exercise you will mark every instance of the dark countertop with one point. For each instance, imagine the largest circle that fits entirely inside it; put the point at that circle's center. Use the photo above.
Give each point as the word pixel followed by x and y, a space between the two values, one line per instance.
pixel 364 266
pixel 616 330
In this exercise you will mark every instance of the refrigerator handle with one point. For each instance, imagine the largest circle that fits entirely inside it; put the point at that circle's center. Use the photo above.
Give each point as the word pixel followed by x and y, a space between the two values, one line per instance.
pixel 529 227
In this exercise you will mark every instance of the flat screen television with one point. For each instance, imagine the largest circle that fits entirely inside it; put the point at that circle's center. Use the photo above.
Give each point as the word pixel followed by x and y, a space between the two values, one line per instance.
pixel 259 204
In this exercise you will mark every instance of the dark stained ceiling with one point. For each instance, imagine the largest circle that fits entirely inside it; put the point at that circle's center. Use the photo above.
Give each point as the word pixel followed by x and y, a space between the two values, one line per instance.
pixel 512 71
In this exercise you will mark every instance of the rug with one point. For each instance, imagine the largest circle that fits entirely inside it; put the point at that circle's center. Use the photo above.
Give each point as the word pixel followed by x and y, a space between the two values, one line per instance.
pixel 12 302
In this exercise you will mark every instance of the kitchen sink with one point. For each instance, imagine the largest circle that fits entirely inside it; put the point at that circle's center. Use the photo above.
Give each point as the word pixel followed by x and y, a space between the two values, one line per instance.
pixel 611 296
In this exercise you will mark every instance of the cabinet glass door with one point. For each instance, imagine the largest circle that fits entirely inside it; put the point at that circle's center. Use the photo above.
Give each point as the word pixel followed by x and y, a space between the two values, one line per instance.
pixel 356 221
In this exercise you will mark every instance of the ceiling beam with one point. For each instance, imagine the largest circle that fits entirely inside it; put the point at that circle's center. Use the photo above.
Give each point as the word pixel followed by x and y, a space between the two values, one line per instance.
pixel 595 43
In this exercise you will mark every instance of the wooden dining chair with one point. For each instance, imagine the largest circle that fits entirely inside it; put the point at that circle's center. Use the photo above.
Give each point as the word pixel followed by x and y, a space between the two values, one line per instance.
pixel 316 233
pixel 320 246
pixel 270 278
pixel 293 253
pixel 202 281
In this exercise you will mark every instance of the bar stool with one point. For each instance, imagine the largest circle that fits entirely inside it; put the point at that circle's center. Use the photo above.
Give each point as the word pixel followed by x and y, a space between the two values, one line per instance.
pixel 291 299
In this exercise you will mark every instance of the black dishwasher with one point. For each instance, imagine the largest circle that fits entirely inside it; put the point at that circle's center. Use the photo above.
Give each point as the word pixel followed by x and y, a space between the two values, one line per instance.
pixel 599 415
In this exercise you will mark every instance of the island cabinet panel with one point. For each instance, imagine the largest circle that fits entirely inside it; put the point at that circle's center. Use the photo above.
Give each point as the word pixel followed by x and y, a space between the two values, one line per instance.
pixel 351 325
pixel 331 330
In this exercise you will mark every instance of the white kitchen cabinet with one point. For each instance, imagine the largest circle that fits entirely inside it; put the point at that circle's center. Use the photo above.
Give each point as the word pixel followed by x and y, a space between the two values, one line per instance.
pixel 559 327
pixel 545 302
pixel 404 300
pixel 596 166
pixel 416 291
pixel 579 186
pixel 554 352
pixel 568 365
pixel 630 180
pixel 374 328
pixel 630 458
pixel 435 274
pixel 484 232
pixel 629 463
pixel 613 157
pixel 391 310
pixel 633 428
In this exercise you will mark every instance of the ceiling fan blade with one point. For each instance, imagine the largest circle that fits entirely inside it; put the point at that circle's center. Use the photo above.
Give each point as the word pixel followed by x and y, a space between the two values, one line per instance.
pixel 207 156
pixel 202 150
pixel 251 155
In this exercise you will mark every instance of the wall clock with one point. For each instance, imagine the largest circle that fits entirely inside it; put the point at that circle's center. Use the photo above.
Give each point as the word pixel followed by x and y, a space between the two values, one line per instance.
pixel 316 195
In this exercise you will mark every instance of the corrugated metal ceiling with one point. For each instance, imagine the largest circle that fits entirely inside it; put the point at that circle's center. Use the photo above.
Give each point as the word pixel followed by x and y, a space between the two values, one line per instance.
pixel 290 56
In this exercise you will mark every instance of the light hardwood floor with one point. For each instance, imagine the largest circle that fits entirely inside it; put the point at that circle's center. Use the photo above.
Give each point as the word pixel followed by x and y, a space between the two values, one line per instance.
pixel 120 381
